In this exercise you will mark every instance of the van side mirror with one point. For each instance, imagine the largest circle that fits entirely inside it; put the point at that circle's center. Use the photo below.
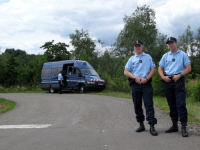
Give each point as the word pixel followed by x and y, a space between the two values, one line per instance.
pixel 79 74
pixel 100 75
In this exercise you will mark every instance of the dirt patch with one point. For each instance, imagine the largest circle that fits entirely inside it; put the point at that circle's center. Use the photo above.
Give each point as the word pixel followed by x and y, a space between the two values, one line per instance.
pixel 2 106
pixel 195 127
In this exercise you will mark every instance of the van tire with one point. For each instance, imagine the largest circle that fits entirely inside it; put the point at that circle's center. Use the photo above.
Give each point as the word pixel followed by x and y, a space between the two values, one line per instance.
pixel 82 89
pixel 51 90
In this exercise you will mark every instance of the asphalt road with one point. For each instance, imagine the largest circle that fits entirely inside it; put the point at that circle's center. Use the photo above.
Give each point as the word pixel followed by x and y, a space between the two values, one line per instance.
pixel 84 122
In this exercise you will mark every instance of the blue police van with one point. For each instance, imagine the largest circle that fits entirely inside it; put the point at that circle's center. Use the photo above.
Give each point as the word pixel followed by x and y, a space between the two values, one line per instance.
pixel 77 75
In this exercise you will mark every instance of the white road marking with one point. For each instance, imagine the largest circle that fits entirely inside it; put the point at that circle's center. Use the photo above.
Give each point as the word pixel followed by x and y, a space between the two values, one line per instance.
pixel 25 126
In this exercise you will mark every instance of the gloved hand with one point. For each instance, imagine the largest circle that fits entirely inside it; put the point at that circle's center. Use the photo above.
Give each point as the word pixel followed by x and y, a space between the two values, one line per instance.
pixel 179 84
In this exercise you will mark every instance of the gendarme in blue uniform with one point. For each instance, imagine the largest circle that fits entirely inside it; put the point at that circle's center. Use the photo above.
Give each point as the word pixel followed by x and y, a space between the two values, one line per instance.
pixel 59 77
pixel 173 64
pixel 140 66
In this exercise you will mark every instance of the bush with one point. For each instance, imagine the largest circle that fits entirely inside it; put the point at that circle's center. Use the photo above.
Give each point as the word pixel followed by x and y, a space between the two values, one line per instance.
pixel 120 84
pixel 189 85
pixel 158 85
pixel 196 91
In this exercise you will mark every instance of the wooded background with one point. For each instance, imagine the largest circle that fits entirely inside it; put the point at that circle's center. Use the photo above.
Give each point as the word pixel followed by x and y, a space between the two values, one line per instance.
pixel 22 69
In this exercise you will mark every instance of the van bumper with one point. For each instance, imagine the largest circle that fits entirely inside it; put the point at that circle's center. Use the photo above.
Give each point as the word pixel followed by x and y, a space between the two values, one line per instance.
pixel 98 86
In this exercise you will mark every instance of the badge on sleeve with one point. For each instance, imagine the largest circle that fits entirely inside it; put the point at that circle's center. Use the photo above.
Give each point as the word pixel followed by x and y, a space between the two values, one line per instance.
pixel 173 59
pixel 140 61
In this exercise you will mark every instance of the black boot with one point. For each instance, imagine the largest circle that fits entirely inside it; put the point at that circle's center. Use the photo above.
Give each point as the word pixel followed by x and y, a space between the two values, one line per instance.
pixel 174 128
pixel 184 131
pixel 141 127
pixel 152 130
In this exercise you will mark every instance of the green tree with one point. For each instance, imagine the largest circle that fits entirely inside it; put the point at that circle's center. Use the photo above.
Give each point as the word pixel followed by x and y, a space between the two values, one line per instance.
pixel 56 52
pixel 10 72
pixel 2 72
pixel 185 41
pixel 196 43
pixel 140 25
pixel 83 45
pixel 10 51
pixel 158 84
pixel 160 48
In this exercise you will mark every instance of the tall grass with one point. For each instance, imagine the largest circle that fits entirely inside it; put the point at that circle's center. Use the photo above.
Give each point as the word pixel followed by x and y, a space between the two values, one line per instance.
pixel 189 85
pixel 18 89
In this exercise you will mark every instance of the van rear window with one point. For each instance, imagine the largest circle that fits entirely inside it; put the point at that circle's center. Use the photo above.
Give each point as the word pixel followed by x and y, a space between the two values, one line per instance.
pixel 56 71
pixel 46 72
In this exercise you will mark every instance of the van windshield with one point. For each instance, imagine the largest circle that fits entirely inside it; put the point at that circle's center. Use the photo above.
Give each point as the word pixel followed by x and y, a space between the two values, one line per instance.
pixel 91 72
pixel 84 64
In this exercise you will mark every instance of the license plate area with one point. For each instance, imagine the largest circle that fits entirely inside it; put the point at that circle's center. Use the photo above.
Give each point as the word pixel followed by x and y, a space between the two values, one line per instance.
pixel 101 84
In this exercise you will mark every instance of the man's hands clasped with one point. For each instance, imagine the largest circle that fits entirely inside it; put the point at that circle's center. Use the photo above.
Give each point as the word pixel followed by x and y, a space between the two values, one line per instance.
pixel 140 80
pixel 169 78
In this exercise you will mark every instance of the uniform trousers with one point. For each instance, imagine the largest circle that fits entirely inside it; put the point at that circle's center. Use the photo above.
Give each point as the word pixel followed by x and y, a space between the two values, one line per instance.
pixel 176 101
pixel 144 91
pixel 60 86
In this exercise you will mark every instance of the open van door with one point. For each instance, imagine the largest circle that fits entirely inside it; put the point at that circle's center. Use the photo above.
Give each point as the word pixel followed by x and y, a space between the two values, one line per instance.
pixel 73 77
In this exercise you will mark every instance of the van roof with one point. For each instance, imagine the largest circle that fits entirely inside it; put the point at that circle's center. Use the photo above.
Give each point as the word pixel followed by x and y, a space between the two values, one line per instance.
pixel 81 63
pixel 63 62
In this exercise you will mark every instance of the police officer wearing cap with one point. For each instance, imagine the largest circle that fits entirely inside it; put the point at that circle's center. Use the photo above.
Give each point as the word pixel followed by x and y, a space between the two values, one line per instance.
pixel 176 65
pixel 141 68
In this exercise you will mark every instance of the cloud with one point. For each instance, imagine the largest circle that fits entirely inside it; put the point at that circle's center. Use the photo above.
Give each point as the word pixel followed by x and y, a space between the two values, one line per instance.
pixel 27 25
pixel 174 17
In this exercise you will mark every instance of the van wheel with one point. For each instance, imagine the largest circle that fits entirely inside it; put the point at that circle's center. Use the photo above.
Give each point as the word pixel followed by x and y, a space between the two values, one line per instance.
pixel 82 89
pixel 51 90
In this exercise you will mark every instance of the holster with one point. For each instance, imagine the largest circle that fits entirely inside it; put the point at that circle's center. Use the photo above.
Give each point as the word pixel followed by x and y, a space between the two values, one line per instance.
pixel 131 81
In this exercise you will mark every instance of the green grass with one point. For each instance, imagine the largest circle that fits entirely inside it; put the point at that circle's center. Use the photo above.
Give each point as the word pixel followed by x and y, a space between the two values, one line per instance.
pixel 18 89
pixel 189 87
pixel 6 105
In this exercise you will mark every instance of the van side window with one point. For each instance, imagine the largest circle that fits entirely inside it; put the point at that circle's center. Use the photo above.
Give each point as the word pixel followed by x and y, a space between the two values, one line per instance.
pixel 56 71
pixel 76 71
pixel 46 72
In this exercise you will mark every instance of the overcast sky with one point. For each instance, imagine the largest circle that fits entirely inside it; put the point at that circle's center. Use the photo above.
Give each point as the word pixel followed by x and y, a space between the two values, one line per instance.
pixel 28 24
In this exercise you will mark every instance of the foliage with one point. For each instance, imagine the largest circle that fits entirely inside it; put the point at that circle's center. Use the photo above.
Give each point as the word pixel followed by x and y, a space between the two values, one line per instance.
pixel 20 68
pixel 17 68
pixel 56 52
pixel 83 45
pixel 110 63
pixel 2 72
pixel 106 77
pixel 189 85
pixel 22 89
pixel 191 45
pixel 196 43
pixel 185 41
pixel 196 91
pixel 160 48
pixel 10 73
pixel 140 25
pixel 158 84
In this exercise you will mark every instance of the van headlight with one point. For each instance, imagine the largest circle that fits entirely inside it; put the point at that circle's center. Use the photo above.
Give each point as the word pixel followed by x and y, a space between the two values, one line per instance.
pixel 89 82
